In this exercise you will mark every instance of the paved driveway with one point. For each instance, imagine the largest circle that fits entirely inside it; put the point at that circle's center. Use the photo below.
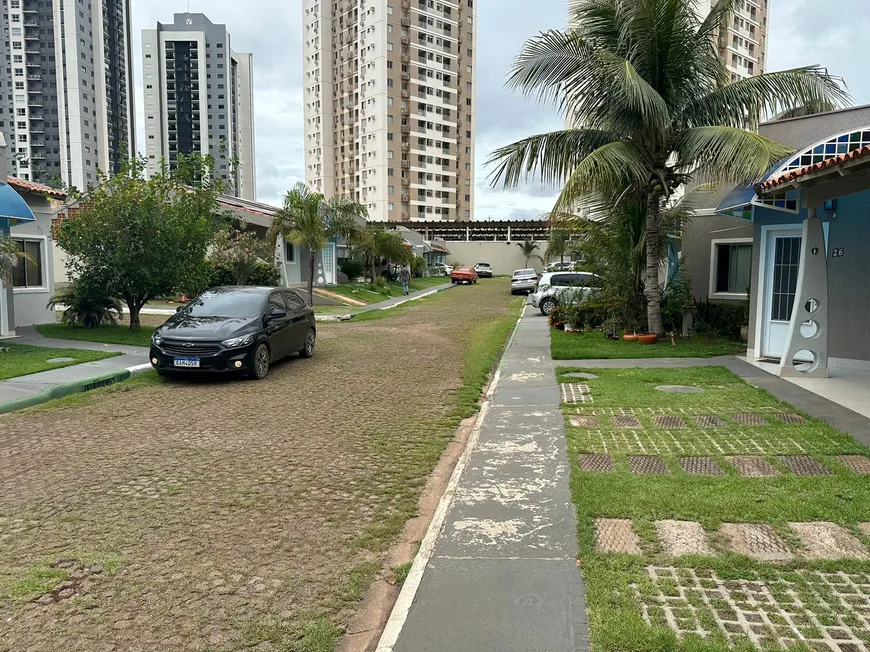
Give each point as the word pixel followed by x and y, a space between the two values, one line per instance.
pixel 223 515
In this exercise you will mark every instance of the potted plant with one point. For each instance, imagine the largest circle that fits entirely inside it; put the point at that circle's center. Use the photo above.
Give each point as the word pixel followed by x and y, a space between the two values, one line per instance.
pixel 651 338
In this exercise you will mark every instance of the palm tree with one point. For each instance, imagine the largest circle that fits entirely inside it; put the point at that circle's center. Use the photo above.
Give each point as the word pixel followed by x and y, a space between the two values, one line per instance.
pixel 375 242
pixel 558 243
pixel 653 108
pixel 529 247
pixel 10 255
pixel 309 219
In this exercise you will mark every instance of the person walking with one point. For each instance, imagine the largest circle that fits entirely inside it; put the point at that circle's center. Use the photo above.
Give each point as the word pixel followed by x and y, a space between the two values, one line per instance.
pixel 405 277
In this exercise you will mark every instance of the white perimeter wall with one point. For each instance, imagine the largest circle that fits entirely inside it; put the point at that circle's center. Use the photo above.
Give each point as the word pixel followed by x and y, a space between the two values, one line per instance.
pixel 505 257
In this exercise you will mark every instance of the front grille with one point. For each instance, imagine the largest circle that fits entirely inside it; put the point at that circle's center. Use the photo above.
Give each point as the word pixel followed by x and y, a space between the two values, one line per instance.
pixel 198 348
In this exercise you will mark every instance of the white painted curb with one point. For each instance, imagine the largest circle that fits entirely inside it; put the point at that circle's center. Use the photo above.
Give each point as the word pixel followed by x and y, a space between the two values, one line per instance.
pixel 399 614
pixel 139 369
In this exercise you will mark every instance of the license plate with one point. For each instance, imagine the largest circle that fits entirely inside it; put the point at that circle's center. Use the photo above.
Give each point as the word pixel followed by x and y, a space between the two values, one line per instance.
pixel 186 362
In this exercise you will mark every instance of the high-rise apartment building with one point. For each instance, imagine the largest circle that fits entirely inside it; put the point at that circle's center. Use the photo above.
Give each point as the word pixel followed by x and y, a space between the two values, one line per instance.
pixel 199 97
pixel 389 105
pixel 69 108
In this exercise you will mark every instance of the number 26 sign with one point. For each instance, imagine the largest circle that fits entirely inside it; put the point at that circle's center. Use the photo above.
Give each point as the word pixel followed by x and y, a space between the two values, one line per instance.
pixel 837 252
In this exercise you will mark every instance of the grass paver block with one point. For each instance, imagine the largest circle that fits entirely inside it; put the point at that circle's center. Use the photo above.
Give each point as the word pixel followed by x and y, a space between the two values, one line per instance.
pixel 595 463
pixel 858 463
pixel 683 538
pixel 791 419
pixel 709 421
pixel 700 466
pixel 584 422
pixel 804 465
pixel 575 393
pixel 749 419
pixel 758 541
pixel 669 422
pixel 616 535
pixel 823 540
pixel 647 465
pixel 764 613
pixel 751 466
pixel 627 421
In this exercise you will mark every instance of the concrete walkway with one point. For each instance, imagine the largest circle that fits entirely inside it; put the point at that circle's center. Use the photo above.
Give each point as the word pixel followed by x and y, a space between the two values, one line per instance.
pixel 353 311
pixel 498 571
pixel 32 385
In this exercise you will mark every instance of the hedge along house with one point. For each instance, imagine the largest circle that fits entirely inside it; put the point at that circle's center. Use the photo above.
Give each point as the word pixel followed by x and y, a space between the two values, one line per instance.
pixel 810 217
pixel 26 211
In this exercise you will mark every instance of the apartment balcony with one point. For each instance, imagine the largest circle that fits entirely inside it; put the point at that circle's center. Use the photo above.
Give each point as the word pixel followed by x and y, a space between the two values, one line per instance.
pixel 406 22
pixel 37 143
pixel 406 199
pixel 406 147
pixel 32 64
pixel 406 129
pixel 36 156
pixel 406 5
pixel 406 165
pixel 406 182
pixel 31 37
pixel 34 104
pixel 406 58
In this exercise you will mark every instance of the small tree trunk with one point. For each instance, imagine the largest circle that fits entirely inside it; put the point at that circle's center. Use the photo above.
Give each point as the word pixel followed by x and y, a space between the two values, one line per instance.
pixel 134 307
pixel 652 292
pixel 562 258
pixel 372 271
pixel 311 278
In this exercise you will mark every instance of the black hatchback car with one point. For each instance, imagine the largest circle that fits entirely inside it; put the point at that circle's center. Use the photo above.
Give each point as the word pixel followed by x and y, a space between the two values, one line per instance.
pixel 235 330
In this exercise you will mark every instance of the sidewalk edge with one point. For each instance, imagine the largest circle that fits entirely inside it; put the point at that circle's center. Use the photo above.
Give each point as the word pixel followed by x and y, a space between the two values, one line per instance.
pixel 74 387
pixel 402 607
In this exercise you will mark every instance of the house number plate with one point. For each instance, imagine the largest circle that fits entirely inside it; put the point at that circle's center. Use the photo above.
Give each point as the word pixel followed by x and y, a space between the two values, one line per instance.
pixel 837 253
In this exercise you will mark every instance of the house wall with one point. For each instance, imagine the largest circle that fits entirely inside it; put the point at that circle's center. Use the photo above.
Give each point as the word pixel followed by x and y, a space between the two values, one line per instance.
pixel 848 296
pixel 505 257
pixel 697 246
pixel 30 303
pixel 804 131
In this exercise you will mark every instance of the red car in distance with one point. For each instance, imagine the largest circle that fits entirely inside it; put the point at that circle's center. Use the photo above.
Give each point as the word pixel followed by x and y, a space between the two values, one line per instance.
pixel 463 274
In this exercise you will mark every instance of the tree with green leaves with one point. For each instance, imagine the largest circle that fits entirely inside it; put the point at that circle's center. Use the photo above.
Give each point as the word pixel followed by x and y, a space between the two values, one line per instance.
pixel 558 243
pixel 138 239
pixel 240 250
pixel 529 248
pixel 310 220
pixel 653 107
pixel 374 242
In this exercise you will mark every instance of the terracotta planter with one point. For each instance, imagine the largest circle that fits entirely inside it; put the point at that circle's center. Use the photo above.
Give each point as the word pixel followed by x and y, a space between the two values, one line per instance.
pixel 629 338
pixel 648 339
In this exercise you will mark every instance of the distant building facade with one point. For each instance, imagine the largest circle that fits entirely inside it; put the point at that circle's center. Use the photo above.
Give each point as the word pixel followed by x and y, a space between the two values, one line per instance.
pixel 199 99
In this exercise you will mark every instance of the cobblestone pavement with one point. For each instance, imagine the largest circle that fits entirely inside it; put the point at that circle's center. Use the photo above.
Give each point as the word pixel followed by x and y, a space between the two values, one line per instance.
pixel 216 515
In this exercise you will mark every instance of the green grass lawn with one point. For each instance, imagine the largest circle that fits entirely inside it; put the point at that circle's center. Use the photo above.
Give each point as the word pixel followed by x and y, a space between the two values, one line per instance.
pixel 21 360
pixel 594 346
pixel 620 586
pixel 371 294
pixel 104 334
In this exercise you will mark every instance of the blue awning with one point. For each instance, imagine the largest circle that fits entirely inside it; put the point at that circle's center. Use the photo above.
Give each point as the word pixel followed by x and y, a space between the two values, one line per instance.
pixel 738 202
pixel 13 207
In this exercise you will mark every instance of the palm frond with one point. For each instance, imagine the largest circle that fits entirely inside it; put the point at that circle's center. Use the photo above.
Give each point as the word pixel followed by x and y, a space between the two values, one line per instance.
pixel 551 157
pixel 607 171
pixel 727 154
pixel 769 93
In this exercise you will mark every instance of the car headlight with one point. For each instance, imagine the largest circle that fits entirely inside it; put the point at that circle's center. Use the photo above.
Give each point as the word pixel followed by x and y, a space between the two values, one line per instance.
pixel 156 338
pixel 238 341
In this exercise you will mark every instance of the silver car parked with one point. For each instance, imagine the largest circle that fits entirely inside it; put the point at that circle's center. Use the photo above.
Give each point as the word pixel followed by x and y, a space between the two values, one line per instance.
pixel 524 280
pixel 555 287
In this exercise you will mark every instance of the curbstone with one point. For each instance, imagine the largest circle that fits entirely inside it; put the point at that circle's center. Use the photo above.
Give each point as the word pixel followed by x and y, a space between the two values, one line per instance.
pixel 67 389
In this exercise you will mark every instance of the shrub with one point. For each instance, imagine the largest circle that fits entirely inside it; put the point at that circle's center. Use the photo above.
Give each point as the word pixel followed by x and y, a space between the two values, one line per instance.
pixel 557 317
pixel 418 266
pixel 86 305
pixel 353 268
pixel 721 319
pixel 263 274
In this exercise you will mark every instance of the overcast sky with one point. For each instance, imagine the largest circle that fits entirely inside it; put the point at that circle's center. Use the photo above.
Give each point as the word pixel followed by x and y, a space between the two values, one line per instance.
pixel 801 32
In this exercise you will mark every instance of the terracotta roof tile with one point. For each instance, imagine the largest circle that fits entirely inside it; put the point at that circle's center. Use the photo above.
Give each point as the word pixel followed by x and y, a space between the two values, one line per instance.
pixel 815 167
pixel 35 187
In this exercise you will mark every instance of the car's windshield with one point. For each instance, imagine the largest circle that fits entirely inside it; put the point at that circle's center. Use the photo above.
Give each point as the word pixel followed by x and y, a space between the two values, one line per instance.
pixel 226 303
pixel 525 272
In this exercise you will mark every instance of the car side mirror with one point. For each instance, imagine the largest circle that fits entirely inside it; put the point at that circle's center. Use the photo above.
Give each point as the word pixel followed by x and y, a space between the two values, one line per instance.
pixel 179 309
pixel 276 314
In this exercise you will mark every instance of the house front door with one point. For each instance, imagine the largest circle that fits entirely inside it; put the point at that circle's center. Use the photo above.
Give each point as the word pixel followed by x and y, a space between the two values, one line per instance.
pixel 783 264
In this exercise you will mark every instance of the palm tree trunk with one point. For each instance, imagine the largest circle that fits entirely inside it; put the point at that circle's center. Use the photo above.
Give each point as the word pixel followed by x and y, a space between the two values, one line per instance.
pixel 652 292
pixel 372 270
pixel 311 278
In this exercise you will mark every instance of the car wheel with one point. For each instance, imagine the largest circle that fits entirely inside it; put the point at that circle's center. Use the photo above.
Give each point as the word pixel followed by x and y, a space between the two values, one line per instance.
pixel 260 368
pixel 310 340
pixel 547 306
